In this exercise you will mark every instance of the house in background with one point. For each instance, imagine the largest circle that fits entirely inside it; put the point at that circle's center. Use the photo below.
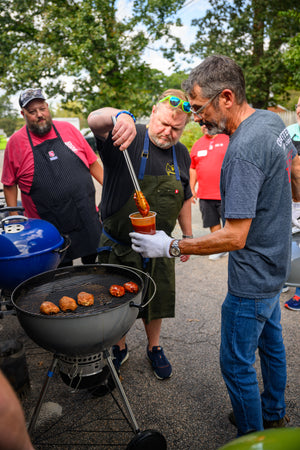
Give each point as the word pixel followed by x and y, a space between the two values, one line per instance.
pixel 288 117
pixel 277 109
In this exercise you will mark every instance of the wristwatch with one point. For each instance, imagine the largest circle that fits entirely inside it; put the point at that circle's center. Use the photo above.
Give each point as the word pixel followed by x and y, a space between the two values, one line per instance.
pixel 174 248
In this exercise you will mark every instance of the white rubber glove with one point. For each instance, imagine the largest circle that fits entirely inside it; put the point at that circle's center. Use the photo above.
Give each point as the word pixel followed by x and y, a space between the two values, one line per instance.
pixel 296 214
pixel 151 245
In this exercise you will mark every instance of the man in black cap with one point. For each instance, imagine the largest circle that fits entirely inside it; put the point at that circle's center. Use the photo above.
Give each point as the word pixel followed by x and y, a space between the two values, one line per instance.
pixel 51 163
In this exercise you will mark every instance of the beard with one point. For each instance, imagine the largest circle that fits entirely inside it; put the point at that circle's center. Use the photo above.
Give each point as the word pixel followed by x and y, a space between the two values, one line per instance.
pixel 162 143
pixel 41 129
pixel 216 128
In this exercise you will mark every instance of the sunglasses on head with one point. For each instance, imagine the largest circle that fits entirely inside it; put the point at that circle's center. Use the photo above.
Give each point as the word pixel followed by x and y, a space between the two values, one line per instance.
pixel 175 101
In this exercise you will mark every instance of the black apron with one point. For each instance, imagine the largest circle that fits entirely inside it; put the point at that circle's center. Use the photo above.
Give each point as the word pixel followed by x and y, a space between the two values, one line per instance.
pixel 64 194
pixel 165 196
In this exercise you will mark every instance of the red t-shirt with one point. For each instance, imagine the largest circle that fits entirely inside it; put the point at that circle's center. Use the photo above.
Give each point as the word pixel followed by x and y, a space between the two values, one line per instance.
pixel 207 156
pixel 18 163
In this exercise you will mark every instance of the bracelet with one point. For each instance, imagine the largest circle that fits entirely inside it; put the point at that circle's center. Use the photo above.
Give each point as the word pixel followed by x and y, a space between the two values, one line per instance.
pixel 126 112
pixel 185 236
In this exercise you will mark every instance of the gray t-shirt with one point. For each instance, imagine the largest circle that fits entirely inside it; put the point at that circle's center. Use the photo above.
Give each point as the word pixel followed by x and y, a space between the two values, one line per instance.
pixel 256 184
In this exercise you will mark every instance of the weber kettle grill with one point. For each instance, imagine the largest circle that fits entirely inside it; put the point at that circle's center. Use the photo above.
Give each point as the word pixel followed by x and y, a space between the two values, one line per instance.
pixel 80 340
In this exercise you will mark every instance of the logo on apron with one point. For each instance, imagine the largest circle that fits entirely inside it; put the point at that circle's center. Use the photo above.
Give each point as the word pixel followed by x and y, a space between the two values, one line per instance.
pixel 52 155
pixel 170 169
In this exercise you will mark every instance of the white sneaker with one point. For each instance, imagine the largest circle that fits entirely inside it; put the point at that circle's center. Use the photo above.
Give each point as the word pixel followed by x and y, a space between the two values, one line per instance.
pixel 215 256
pixel 285 288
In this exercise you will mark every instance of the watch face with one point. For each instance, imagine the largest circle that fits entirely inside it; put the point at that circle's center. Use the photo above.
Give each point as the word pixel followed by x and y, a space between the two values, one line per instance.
pixel 175 250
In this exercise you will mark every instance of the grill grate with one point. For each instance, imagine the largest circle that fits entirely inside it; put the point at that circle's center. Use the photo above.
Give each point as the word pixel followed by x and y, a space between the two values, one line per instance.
pixel 69 283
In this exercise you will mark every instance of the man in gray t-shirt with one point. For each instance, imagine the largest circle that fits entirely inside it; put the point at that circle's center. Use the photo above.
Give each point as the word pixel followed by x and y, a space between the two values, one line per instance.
pixel 255 184
pixel 260 167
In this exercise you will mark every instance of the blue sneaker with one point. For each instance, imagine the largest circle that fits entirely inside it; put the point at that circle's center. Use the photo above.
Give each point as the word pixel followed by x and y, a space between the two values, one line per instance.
pixel 120 356
pixel 293 303
pixel 161 366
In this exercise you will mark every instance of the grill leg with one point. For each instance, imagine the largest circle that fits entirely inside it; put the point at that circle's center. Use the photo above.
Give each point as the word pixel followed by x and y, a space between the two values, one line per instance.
pixel 121 390
pixel 36 412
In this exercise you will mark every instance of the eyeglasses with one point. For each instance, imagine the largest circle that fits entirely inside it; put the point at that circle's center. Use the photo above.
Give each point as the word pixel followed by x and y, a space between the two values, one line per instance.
pixel 200 110
pixel 175 101
pixel 297 106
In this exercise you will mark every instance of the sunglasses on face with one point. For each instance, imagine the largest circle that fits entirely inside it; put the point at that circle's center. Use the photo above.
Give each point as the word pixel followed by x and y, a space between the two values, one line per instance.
pixel 175 101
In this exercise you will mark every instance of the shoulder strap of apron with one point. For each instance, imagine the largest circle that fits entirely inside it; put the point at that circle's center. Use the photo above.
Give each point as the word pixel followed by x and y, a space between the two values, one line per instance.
pixel 29 137
pixel 145 155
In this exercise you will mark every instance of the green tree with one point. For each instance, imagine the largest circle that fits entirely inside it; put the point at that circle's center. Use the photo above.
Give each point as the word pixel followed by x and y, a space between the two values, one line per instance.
pixel 292 55
pixel 175 80
pixel 43 42
pixel 255 34
pixel 191 134
pixel 8 115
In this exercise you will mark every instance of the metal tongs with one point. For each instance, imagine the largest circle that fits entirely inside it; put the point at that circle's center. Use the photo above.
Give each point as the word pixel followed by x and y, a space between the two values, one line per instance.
pixel 140 200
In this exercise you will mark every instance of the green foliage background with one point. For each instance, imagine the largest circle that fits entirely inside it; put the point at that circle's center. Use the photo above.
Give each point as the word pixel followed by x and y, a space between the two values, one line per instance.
pixel 191 134
pixel 262 36
pixel 48 42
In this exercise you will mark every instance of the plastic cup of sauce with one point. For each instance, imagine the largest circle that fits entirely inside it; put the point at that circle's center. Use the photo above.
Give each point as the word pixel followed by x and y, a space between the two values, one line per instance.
pixel 144 225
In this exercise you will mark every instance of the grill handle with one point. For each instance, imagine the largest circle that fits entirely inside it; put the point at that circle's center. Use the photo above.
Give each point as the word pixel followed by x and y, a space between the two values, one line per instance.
pixel 8 219
pixel 10 312
pixel 11 208
pixel 67 244
pixel 147 279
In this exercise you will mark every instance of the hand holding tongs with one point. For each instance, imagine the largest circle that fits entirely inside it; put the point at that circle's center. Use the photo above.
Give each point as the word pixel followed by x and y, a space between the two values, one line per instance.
pixel 140 200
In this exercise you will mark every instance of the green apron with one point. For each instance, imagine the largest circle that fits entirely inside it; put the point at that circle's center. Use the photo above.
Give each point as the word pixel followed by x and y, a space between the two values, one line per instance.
pixel 165 195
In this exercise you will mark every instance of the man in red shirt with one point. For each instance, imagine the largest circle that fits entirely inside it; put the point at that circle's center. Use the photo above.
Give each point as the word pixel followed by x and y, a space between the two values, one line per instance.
pixel 51 163
pixel 207 156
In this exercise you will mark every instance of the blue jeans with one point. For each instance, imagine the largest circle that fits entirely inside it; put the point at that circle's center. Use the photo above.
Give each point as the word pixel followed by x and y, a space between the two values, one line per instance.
pixel 248 324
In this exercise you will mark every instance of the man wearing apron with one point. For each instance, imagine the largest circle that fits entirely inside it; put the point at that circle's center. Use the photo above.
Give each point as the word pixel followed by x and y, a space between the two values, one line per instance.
pixel 52 164
pixel 162 165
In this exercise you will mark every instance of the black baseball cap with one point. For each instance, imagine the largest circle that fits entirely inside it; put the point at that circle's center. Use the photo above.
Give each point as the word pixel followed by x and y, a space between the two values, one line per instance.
pixel 30 94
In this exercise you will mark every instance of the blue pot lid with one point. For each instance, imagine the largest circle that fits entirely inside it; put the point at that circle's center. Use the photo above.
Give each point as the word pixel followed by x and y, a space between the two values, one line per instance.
pixel 20 236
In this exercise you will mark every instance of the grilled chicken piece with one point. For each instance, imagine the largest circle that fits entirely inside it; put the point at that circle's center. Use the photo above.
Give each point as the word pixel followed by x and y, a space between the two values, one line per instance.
pixel 85 299
pixel 141 203
pixel 116 290
pixel 67 304
pixel 130 286
pixel 49 308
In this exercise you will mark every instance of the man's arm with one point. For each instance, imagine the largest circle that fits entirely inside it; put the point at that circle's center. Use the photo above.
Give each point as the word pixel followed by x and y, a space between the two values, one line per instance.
pixel 185 218
pixel 100 122
pixel 185 222
pixel 231 237
pixel 295 178
pixel 193 182
pixel 11 196
pixel 96 171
